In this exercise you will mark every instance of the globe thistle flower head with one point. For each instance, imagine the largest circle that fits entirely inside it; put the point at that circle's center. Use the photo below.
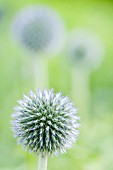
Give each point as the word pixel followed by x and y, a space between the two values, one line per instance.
pixel 45 122
pixel 39 29
pixel 85 48
pixel 3 12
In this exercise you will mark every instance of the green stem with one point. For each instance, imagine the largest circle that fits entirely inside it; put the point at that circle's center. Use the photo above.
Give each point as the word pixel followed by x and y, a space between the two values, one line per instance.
pixel 81 89
pixel 42 162
pixel 40 67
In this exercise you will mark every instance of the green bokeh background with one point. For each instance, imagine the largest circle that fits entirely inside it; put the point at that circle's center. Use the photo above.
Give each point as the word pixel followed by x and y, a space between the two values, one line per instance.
pixel 93 150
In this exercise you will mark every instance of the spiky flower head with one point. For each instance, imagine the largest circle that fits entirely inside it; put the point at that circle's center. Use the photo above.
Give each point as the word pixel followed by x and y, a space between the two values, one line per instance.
pixel 85 48
pixel 39 29
pixel 45 122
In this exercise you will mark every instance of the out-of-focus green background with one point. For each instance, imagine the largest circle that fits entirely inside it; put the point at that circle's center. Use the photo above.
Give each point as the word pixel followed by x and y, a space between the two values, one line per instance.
pixel 94 148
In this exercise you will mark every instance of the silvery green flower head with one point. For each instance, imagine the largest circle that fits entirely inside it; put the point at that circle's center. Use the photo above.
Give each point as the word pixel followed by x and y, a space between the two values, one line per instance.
pixel 39 29
pixel 85 48
pixel 1 13
pixel 46 122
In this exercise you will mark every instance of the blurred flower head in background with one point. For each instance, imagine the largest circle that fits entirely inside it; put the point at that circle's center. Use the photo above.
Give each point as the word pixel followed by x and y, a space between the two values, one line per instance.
pixel 3 12
pixel 46 122
pixel 85 48
pixel 39 30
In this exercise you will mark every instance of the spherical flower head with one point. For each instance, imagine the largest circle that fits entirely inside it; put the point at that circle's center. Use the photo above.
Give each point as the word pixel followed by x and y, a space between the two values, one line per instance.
pixel 45 122
pixel 1 13
pixel 85 48
pixel 39 29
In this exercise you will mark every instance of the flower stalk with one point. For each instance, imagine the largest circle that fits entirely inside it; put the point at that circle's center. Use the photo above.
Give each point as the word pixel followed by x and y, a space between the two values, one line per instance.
pixel 42 162
pixel 40 70
pixel 81 88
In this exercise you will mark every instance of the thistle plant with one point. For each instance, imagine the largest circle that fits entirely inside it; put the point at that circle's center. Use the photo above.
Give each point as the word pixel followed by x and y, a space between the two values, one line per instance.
pixel 40 31
pixel 85 51
pixel 3 13
pixel 45 123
